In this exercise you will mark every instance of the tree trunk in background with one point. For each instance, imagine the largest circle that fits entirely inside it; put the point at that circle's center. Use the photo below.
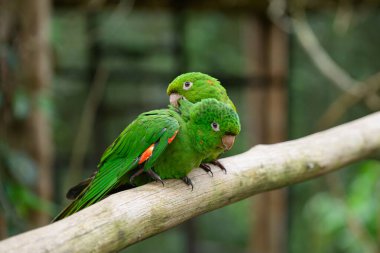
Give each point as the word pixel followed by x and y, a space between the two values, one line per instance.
pixel 35 67
pixel 25 66
pixel 277 131
pixel 266 47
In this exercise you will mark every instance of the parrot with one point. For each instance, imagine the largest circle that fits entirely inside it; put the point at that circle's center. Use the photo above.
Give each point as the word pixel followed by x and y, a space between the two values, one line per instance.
pixel 161 144
pixel 195 86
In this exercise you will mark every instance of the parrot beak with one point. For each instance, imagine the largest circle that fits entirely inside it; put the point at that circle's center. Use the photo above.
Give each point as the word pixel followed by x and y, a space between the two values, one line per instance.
pixel 173 98
pixel 228 141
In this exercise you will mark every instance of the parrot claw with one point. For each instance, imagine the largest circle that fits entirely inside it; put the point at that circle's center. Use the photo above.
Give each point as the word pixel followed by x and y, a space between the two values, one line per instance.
pixel 188 182
pixel 138 172
pixel 155 176
pixel 217 163
pixel 206 168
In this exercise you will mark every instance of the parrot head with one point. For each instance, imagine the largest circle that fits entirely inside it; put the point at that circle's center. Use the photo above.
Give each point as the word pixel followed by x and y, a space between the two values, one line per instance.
pixel 214 125
pixel 195 86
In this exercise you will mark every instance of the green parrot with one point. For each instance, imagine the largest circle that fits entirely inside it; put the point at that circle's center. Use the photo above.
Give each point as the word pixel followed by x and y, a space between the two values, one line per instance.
pixel 159 144
pixel 195 86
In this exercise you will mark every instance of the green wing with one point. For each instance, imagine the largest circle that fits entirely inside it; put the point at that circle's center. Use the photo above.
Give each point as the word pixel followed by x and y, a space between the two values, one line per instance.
pixel 156 127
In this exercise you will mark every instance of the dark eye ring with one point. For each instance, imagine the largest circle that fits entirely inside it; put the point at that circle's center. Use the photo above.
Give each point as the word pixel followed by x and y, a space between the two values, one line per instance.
pixel 187 85
pixel 215 126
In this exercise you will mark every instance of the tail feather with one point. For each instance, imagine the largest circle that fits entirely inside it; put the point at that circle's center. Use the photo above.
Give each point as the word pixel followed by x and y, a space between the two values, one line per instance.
pixel 70 209
pixel 76 190
pixel 93 190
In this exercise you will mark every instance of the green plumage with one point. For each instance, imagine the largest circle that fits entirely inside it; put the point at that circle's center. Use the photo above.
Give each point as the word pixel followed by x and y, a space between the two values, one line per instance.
pixel 203 86
pixel 193 138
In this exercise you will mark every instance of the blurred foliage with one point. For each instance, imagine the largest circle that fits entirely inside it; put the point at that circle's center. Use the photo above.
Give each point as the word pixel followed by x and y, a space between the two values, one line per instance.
pixel 355 50
pixel 18 177
pixel 341 223
pixel 219 32
pixel 18 170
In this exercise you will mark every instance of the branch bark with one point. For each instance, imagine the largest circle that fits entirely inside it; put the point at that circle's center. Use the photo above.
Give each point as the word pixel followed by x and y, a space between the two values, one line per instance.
pixel 133 215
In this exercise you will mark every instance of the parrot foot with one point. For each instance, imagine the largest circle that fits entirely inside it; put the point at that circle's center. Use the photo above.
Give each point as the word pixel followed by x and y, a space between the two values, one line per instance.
pixel 188 182
pixel 138 172
pixel 156 177
pixel 206 168
pixel 217 163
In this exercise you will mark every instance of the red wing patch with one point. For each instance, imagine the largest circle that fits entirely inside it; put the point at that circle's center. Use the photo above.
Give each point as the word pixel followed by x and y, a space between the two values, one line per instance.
pixel 172 138
pixel 146 154
pixel 210 82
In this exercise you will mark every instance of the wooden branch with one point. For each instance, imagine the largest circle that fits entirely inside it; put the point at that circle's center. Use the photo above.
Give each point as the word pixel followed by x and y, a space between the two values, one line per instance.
pixel 133 215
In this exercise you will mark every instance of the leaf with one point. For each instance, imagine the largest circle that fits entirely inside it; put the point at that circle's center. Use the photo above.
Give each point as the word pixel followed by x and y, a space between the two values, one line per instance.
pixel 25 200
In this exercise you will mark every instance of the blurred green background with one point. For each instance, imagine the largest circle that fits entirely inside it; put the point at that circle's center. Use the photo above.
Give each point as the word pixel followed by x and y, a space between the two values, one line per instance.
pixel 108 61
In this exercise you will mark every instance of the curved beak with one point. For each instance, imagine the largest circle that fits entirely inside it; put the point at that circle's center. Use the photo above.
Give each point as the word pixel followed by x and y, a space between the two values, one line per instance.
pixel 228 141
pixel 173 98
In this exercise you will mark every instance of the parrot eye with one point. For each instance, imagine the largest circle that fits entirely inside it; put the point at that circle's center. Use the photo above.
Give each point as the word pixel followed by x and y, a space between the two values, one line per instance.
pixel 215 126
pixel 187 85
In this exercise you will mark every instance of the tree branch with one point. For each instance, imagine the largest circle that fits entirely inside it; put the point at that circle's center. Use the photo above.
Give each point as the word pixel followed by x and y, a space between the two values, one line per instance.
pixel 354 91
pixel 368 88
pixel 322 60
pixel 133 215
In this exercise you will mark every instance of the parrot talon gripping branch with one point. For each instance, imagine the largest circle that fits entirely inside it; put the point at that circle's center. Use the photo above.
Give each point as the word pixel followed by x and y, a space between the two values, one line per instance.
pixel 187 181
pixel 156 177
pixel 206 168
pixel 221 166
pixel 137 173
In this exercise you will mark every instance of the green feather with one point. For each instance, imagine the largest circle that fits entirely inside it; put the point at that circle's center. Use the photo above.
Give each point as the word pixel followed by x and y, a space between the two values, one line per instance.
pixel 203 86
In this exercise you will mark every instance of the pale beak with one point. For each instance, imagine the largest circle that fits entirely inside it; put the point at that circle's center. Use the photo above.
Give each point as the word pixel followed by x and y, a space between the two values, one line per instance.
pixel 173 98
pixel 228 141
